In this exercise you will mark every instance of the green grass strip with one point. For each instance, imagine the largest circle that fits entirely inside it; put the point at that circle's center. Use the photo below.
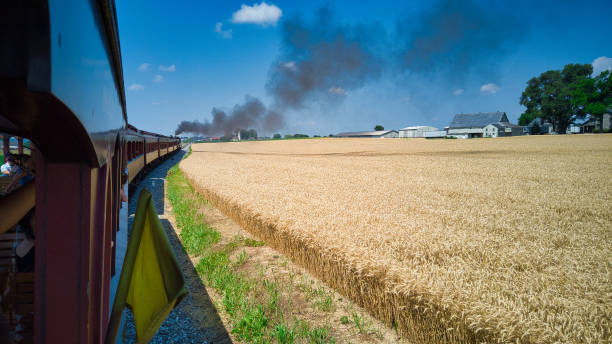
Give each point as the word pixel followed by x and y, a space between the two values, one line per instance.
pixel 252 321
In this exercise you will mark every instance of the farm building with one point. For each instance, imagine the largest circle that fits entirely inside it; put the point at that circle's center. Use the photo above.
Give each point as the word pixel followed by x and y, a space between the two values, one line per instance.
pixel 471 125
pixel 436 134
pixel 417 131
pixel 581 126
pixel 502 129
pixel 382 134
pixel 591 124
pixel 545 127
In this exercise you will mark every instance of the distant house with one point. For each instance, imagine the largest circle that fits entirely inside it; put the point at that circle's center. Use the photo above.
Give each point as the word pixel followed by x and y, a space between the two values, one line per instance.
pixel 469 125
pixel 373 134
pixel 591 124
pixel 417 131
pixel 545 127
pixel 581 126
pixel 502 129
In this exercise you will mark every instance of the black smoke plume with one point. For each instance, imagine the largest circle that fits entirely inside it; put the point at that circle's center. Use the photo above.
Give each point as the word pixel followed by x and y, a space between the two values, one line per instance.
pixel 252 114
pixel 457 38
pixel 322 59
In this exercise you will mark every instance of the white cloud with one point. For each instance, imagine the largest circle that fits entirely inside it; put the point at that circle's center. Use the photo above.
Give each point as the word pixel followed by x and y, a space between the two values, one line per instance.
pixel 144 67
pixel 489 88
pixel 136 87
pixel 289 65
pixel 227 34
pixel 260 14
pixel 337 90
pixel 601 64
pixel 459 91
pixel 158 78
pixel 170 68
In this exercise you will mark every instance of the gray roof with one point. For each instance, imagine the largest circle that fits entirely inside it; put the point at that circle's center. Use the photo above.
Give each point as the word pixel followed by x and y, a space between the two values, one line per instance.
pixel 364 133
pixel 479 120
pixel 540 123
pixel 419 127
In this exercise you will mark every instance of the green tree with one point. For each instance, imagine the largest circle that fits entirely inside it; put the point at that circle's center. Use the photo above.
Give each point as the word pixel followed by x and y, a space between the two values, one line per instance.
pixel 594 96
pixel 549 96
pixel 526 118
pixel 277 136
pixel 244 134
pixel 248 134
pixel 535 129
pixel 379 127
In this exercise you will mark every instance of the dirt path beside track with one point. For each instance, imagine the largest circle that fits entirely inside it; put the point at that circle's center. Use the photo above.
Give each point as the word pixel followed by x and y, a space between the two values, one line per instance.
pixel 195 320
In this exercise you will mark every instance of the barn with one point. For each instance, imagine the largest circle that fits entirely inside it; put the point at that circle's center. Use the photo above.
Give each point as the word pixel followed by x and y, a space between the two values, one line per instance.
pixel 381 134
pixel 417 131
pixel 471 125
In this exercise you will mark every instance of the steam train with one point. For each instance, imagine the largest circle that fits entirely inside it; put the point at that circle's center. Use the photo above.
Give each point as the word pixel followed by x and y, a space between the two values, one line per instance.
pixel 61 88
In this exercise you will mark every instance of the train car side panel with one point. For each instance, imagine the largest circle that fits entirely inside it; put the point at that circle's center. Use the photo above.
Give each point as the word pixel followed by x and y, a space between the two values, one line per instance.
pixel 135 166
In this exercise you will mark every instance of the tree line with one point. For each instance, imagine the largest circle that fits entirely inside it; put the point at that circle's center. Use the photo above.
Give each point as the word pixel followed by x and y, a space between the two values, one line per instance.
pixel 562 96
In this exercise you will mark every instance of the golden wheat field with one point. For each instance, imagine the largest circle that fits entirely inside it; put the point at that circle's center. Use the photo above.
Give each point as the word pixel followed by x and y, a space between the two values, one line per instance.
pixel 484 240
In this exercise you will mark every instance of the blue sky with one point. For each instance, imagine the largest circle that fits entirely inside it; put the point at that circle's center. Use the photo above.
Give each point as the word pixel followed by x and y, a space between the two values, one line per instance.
pixel 180 59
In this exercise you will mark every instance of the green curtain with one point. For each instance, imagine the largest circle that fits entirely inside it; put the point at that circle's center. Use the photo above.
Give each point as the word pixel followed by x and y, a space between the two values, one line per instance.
pixel 151 281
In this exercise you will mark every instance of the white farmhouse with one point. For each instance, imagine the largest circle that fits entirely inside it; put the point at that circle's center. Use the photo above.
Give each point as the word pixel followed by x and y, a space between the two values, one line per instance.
pixel 502 129
pixel 417 131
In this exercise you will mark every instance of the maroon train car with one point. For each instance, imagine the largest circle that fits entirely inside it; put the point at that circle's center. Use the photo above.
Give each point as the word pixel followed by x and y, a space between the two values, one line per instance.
pixel 61 87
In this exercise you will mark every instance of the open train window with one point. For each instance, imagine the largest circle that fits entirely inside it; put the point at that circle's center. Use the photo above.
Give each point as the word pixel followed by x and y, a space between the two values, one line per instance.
pixel 17 236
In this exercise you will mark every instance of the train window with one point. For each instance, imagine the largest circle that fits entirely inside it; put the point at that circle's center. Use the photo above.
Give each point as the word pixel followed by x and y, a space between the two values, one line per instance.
pixel 17 218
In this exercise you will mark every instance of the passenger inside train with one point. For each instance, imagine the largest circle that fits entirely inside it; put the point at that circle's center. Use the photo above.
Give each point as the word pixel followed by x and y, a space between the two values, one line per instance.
pixel 10 167
pixel 21 171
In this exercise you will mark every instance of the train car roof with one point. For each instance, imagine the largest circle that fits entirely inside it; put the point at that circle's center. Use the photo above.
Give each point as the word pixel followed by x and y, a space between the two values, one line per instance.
pixel 133 130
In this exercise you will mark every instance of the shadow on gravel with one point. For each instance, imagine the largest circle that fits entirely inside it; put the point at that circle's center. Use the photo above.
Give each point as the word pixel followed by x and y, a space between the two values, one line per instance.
pixel 198 304
pixel 195 319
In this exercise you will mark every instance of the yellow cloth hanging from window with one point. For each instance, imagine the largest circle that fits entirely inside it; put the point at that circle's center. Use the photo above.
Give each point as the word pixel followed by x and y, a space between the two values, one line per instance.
pixel 151 282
